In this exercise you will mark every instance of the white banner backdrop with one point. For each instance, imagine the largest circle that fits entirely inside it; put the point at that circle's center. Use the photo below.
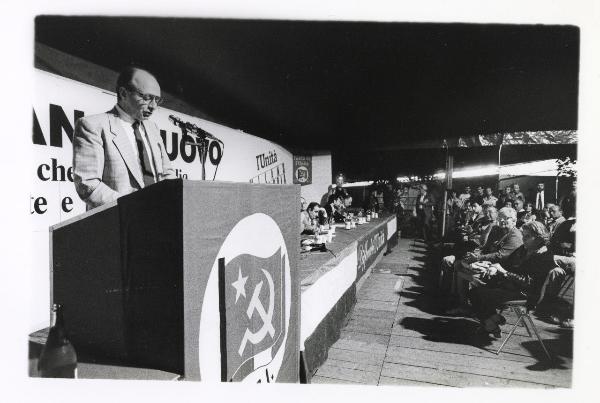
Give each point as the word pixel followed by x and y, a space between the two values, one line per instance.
pixel 59 102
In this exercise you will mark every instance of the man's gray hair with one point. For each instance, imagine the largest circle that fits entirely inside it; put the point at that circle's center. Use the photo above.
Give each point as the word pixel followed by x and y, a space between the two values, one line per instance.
pixel 508 212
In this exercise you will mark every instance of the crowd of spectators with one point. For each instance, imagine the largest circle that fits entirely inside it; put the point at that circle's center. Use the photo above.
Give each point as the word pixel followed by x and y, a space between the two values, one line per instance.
pixel 505 248
pixel 497 247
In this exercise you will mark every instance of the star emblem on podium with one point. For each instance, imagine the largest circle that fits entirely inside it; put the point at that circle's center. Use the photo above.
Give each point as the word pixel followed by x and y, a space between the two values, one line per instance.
pixel 240 285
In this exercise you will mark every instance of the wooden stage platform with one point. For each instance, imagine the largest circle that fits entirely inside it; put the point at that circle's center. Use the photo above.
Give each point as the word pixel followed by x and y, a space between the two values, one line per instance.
pixel 403 338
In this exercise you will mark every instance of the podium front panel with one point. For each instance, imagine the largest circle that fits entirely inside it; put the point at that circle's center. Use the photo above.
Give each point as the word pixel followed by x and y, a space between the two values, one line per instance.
pixel 241 297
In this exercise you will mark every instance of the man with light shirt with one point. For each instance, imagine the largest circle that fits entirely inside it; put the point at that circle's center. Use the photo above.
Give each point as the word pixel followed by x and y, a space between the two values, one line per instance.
pixel 489 200
pixel 539 198
pixel 121 151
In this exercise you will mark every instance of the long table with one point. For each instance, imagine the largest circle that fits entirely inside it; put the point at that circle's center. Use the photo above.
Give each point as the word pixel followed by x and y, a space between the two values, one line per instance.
pixel 329 282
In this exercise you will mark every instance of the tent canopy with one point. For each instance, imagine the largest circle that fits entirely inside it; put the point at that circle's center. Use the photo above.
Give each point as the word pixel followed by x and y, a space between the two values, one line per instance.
pixel 351 87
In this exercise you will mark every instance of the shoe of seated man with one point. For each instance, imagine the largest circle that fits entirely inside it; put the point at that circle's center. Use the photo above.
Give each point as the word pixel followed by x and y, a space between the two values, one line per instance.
pixel 567 323
pixel 498 319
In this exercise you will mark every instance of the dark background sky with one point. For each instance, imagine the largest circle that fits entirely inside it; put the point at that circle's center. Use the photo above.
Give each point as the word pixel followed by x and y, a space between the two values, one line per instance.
pixel 354 88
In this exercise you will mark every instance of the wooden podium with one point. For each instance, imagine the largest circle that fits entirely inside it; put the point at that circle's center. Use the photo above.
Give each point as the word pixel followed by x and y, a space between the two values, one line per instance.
pixel 196 278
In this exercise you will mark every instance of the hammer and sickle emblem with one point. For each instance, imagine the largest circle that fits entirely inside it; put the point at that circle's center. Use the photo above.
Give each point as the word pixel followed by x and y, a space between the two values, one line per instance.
pixel 266 317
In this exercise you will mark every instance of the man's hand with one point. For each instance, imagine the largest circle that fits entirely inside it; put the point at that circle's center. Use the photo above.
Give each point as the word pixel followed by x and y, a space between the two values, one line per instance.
pixel 471 257
pixel 498 269
pixel 479 267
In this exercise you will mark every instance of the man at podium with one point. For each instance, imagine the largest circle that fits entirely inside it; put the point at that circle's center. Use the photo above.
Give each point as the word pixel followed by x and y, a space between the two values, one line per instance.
pixel 121 151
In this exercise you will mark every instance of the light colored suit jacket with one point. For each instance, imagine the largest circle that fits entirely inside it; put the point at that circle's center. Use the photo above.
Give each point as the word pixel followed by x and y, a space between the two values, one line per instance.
pixel 105 165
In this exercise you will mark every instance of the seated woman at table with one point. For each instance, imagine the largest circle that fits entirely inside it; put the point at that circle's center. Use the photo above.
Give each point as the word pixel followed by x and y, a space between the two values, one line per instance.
pixel 520 277
pixel 308 219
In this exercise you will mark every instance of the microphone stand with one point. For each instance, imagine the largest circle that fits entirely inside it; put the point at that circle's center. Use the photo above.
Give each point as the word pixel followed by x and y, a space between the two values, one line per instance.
pixel 202 141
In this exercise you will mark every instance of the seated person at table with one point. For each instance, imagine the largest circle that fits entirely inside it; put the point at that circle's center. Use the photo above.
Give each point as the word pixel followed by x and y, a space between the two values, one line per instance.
pixel 348 206
pixel 502 241
pixel 335 209
pixel 347 201
pixel 338 190
pixel 308 219
pixel 522 276
pixel 303 204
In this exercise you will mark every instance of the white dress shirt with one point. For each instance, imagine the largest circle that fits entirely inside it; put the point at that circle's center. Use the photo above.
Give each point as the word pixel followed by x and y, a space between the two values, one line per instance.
pixel 127 122
pixel 539 195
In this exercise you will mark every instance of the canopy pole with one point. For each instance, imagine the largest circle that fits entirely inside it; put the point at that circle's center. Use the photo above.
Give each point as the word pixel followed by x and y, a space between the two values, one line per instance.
pixel 499 163
pixel 449 171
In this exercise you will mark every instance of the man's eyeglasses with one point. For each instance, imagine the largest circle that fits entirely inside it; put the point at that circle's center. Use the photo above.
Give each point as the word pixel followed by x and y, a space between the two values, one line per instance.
pixel 147 98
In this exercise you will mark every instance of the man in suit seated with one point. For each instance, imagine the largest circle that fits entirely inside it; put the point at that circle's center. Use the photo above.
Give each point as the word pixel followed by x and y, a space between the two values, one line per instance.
pixel 335 208
pixel 556 218
pixel 308 219
pixel 121 151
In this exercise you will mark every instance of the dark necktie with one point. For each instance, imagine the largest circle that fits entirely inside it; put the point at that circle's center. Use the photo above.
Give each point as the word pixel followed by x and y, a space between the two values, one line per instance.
pixel 539 201
pixel 144 156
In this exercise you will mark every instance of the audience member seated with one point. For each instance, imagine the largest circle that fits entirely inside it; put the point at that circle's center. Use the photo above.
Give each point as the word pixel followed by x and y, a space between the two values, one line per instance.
pixel 518 203
pixel 544 215
pixel 465 195
pixel 521 276
pixel 491 215
pixel 477 218
pixel 479 195
pixel 517 194
pixel 308 219
pixel 502 240
pixel 489 199
pixel 505 197
pixel 569 201
pixel 463 237
pixel 527 217
pixel 562 241
pixel 555 218
pixel 453 208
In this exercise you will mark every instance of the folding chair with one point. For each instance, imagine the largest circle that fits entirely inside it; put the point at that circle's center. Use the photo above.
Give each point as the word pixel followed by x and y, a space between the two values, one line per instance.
pixel 521 309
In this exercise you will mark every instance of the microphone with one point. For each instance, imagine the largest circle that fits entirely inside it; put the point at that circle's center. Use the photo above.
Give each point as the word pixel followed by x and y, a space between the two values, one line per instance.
pixel 192 128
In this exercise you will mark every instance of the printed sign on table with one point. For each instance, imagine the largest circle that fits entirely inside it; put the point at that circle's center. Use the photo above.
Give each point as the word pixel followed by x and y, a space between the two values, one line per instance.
pixel 369 247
